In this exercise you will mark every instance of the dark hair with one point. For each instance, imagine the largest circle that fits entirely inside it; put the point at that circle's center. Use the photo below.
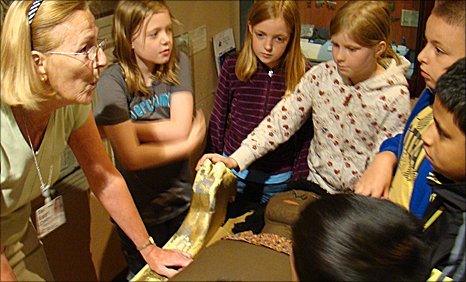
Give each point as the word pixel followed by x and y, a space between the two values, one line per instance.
pixel 451 92
pixel 347 237
pixel 452 12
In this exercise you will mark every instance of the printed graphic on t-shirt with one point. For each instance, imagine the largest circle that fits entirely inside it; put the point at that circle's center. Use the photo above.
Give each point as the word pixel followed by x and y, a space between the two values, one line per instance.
pixel 411 158
pixel 145 108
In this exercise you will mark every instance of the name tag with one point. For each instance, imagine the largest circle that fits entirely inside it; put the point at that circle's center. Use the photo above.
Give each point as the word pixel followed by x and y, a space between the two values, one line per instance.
pixel 50 216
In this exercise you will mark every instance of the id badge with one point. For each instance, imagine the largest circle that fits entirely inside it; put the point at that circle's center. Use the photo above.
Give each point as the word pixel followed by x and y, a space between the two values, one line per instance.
pixel 50 216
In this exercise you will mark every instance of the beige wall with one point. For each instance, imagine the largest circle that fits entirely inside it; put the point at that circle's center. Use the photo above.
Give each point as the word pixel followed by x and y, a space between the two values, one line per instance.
pixel 216 16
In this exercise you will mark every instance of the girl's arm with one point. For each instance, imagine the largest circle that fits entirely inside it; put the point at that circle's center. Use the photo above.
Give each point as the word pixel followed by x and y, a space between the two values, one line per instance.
pixel 176 128
pixel 134 155
pixel 110 188
pixel 282 122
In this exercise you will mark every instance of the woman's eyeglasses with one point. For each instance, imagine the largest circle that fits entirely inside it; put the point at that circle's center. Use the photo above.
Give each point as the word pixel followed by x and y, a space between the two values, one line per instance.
pixel 90 54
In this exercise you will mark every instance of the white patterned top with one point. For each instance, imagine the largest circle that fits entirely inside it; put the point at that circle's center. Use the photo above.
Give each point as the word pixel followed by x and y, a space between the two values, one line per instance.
pixel 350 122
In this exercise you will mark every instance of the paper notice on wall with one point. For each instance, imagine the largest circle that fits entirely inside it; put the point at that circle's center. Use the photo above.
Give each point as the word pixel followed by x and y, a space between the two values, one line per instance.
pixel 198 38
pixel 224 44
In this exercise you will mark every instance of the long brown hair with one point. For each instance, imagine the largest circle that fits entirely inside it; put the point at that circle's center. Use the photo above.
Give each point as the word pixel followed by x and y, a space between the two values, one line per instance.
pixel 367 22
pixel 292 58
pixel 128 20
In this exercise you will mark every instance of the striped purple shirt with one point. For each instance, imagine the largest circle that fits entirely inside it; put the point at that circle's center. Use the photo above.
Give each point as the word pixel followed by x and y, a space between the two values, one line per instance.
pixel 241 105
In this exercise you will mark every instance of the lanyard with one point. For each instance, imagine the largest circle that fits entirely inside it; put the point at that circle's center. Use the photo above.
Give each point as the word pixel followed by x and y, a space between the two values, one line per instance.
pixel 44 187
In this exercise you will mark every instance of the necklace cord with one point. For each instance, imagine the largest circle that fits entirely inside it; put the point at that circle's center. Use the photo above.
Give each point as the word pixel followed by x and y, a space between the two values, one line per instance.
pixel 45 188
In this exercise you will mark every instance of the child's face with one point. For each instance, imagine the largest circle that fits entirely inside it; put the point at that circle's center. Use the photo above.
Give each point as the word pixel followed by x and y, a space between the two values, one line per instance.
pixel 444 144
pixel 445 44
pixel 269 40
pixel 154 44
pixel 354 61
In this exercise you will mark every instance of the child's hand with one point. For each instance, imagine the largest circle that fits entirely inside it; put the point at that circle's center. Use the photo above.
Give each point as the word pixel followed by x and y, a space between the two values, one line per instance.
pixel 375 182
pixel 215 158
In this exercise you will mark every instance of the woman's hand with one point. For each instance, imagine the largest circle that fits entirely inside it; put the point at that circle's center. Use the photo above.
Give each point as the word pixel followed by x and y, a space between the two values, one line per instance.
pixel 376 180
pixel 6 273
pixel 165 262
pixel 215 158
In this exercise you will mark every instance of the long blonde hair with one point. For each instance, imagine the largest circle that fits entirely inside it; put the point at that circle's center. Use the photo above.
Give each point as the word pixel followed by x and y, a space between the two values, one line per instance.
pixel 292 58
pixel 21 83
pixel 128 20
pixel 367 22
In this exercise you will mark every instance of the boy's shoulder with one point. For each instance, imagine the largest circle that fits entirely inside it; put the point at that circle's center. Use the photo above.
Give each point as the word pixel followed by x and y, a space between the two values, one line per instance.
pixel 425 100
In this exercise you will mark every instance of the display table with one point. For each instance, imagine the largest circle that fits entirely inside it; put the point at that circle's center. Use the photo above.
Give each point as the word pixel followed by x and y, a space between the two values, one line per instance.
pixel 228 260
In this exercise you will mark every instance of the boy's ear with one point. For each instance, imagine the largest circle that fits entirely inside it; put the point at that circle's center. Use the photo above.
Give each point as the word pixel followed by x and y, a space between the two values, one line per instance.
pixel 380 48
pixel 40 62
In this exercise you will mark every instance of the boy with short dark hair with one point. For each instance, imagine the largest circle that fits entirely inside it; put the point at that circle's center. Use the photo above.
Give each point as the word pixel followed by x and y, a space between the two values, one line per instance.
pixel 347 237
pixel 375 240
pixel 400 170
pixel 445 147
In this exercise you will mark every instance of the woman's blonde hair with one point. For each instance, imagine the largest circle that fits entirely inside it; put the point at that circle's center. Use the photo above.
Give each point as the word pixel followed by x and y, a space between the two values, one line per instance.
pixel 292 58
pixel 128 21
pixel 367 23
pixel 21 83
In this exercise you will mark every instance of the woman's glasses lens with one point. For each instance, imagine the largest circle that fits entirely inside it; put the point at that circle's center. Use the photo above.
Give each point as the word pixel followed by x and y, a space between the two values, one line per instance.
pixel 92 53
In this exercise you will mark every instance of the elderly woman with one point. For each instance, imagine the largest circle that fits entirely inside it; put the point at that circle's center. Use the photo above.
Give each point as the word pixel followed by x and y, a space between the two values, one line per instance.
pixel 50 63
